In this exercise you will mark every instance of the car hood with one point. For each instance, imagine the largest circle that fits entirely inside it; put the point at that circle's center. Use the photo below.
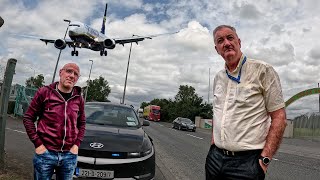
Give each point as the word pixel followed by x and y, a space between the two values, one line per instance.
pixel 114 139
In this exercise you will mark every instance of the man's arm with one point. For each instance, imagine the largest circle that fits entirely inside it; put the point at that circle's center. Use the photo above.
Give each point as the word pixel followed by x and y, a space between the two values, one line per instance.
pixel 274 137
pixel 81 124
pixel 31 116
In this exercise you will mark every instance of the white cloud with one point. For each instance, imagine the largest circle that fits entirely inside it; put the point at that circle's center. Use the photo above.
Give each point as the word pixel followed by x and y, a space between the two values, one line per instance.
pixel 281 33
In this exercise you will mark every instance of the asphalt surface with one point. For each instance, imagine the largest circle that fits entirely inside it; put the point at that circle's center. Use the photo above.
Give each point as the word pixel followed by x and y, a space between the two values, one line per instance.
pixel 184 155
pixel 180 155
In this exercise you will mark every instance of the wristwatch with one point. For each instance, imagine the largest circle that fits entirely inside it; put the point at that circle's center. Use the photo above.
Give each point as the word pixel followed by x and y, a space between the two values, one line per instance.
pixel 265 160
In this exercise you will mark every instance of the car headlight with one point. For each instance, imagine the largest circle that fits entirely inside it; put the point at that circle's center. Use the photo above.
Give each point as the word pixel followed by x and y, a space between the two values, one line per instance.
pixel 184 124
pixel 146 149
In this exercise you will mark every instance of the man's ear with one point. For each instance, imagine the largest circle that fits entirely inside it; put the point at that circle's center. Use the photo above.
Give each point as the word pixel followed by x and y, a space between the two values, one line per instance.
pixel 216 49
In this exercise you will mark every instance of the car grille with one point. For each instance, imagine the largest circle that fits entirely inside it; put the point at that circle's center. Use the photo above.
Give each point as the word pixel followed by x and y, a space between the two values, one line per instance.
pixel 102 154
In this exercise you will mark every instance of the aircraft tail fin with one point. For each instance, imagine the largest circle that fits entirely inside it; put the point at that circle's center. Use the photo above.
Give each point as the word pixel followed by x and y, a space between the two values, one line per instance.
pixel 104 20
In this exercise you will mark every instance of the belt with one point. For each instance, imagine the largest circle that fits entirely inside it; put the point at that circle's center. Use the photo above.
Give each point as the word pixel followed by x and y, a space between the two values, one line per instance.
pixel 237 153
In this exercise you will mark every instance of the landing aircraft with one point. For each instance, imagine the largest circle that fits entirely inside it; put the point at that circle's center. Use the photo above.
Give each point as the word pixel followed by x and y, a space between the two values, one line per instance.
pixel 83 36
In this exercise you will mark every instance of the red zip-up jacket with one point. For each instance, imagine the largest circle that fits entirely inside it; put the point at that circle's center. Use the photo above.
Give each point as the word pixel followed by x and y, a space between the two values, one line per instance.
pixel 61 123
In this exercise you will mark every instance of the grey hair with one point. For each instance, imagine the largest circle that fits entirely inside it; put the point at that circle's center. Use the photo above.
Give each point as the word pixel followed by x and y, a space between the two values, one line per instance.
pixel 223 26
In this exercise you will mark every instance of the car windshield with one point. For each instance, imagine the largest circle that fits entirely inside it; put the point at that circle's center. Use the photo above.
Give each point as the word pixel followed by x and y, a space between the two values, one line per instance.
pixel 156 111
pixel 103 114
pixel 187 121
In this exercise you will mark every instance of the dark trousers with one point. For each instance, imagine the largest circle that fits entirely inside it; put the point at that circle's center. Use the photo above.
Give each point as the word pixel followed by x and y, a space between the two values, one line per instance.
pixel 244 166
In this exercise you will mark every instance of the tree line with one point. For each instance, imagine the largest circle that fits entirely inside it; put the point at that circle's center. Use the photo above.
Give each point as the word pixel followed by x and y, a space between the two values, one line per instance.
pixel 186 104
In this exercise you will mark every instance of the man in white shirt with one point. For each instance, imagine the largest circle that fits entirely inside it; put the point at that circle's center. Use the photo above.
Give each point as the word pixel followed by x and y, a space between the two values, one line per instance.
pixel 248 113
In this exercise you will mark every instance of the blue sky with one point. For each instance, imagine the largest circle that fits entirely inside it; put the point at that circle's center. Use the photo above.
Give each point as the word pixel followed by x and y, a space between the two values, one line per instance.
pixel 282 33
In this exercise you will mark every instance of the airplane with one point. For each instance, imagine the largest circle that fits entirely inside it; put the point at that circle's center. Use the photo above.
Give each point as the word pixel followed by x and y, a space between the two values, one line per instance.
pixel 83 36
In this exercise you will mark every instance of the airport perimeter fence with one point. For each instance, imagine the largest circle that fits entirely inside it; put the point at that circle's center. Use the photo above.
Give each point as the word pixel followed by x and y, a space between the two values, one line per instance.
pixel 23 98
pixel 307 125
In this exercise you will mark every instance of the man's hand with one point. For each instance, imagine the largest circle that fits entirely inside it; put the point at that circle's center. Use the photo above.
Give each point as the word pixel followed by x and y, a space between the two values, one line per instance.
pixel 74 149
pixel 264 167
pixel 41 149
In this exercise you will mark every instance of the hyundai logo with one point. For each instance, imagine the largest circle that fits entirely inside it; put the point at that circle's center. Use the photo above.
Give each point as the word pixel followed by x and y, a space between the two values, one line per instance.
pixel 96 145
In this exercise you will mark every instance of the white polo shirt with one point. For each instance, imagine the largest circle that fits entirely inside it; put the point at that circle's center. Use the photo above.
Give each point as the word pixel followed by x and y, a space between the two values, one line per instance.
pixel 240 110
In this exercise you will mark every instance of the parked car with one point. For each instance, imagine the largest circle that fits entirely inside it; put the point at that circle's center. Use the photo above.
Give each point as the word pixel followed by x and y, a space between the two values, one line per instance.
pixel 184 124
pixel 115 144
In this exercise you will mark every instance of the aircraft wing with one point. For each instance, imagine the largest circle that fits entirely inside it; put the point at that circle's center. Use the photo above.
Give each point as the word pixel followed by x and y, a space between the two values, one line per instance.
pixel 128 40
pixel 69 42
pixel 136 38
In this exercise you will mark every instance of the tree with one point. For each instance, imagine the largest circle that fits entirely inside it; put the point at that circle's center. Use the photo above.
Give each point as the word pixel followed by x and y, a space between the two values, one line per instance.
pixel 144 104
pixel 99 90
pixel 188 103
pixel 36 82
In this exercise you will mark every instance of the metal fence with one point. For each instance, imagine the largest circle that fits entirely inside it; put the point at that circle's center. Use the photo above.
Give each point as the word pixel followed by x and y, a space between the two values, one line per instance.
pixel 23 98
pixel 307 125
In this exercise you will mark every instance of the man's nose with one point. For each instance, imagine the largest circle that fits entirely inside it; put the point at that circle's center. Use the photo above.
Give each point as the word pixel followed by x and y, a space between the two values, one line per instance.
pixel 227 43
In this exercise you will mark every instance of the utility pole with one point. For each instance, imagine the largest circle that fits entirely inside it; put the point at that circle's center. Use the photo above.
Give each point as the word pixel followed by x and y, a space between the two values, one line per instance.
pixel 85 96
pixel 209 87
pixel 319 99
pixel 4 98
pixel 55 69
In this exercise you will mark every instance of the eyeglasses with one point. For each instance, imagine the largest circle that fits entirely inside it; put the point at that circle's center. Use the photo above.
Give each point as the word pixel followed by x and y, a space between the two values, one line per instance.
pixel 70 71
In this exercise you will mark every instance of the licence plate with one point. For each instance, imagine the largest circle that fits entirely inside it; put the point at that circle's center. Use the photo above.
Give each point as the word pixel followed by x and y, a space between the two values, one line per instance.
pixel 96 173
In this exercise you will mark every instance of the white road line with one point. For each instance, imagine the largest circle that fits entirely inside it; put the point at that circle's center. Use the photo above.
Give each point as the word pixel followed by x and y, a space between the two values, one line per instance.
pixel 194 136
pixel 160 124
pixel 16 131
pixel 275 159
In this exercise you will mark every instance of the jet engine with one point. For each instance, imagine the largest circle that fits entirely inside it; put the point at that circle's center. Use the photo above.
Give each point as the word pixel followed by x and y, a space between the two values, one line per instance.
pixel 60 44
pixel 109 43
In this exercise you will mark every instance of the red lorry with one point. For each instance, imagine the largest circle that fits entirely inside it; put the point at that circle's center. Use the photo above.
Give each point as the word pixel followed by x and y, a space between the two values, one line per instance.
pixel 151 112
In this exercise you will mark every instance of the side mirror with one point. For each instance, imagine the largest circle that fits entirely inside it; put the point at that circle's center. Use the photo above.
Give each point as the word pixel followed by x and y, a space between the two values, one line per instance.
pixel 146 123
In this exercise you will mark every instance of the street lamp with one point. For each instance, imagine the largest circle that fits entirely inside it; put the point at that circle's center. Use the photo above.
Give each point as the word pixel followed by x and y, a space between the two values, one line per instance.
pixel 85 96
pixel 65 34
pixel 125 82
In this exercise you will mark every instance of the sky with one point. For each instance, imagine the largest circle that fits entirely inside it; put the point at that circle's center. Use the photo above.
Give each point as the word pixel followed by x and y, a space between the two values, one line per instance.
pixel 281 33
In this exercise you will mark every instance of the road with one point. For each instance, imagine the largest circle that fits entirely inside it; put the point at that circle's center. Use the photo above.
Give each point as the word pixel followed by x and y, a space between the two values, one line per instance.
pixel 183 154
pixel 180 155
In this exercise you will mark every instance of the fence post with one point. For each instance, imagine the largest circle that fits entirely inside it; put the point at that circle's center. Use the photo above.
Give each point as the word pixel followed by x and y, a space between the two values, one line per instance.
pixel 4 98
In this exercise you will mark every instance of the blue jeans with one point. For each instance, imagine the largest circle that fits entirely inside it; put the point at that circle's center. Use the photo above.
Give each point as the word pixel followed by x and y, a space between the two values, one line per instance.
pixel 64 163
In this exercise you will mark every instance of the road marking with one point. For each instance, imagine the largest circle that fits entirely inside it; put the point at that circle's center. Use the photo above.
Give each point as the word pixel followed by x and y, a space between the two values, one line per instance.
pixel 160 124
pixel 194 136
pixel 275 159
pixel 16 131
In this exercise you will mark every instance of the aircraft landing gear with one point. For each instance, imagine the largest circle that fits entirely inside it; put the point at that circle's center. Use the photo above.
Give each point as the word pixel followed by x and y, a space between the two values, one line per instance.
pixel 74 53
pixel 103 52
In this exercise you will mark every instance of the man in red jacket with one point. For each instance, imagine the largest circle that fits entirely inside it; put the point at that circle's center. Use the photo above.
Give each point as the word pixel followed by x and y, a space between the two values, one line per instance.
pixel 59 112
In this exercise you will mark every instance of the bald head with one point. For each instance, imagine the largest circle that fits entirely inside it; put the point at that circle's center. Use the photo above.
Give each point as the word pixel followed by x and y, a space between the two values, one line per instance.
pixel 69 75
pixel 72 66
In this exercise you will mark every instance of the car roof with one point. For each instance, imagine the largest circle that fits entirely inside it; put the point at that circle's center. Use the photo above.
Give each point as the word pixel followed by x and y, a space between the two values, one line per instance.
pixel 109 103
